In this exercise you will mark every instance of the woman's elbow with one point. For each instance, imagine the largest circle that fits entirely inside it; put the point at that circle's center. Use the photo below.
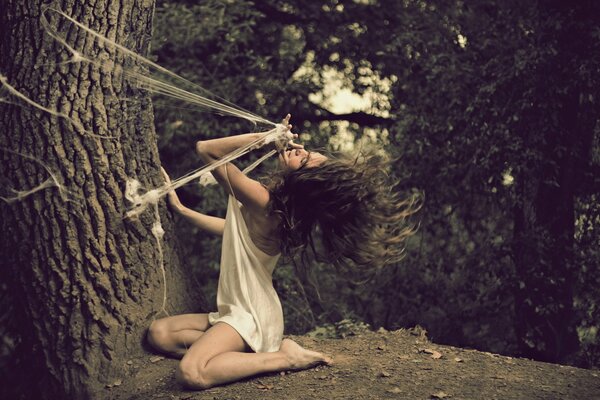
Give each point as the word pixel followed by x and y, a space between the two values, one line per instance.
pixel 200 148
pixel 203 151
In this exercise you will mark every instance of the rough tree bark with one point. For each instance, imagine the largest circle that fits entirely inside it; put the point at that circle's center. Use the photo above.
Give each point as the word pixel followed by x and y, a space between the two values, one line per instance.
pixel 84 281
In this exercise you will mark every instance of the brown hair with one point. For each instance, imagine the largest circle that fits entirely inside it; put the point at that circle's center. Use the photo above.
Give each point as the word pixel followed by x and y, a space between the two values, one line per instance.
pixel 350 204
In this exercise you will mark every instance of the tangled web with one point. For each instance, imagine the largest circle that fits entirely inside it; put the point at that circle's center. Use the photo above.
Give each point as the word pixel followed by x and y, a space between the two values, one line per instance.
pixel 146 75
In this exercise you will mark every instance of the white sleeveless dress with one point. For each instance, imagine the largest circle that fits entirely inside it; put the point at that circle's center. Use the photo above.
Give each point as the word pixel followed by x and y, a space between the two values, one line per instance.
pixel 246 298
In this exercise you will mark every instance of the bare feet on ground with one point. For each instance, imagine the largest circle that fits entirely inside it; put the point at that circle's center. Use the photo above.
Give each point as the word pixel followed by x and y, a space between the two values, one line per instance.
pixel 301 358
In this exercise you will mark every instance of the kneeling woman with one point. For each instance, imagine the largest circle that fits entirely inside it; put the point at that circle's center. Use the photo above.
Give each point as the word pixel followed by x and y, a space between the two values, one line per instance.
pixel 358 218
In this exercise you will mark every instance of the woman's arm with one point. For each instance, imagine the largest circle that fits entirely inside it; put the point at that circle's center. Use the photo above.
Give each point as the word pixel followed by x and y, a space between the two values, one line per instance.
pixel 250 192
pixel 205 222
pixel 208 223
pixel 216 148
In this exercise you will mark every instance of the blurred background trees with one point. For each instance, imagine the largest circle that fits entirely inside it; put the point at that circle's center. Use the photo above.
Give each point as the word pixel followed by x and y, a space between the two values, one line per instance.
pixel 490 109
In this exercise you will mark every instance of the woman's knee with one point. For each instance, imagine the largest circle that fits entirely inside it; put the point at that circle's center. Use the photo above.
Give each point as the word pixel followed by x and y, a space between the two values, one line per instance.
pixel 190 373
pixel 159 335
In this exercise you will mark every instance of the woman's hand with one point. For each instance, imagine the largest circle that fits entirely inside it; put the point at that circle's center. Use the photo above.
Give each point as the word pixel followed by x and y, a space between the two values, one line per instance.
pixel 172 197
pixel 286 141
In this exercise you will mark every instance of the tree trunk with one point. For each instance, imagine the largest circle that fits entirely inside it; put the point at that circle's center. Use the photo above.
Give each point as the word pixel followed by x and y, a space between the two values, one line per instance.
pixel 545 219
pixel 543 254
pixel 85 282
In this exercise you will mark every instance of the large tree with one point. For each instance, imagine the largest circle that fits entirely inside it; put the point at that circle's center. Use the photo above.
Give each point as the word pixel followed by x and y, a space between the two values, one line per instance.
pixel 83 282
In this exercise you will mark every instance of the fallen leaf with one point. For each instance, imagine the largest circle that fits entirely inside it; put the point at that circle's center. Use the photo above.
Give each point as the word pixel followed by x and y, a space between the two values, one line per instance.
pixel 440 395
pixel 434 353
pixel 264 386
pixel 118 382
pixel 154 359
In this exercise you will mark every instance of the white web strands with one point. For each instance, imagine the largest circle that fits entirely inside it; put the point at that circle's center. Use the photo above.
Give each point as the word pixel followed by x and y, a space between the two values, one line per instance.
pixel 154 80
pixel 145 81
pixel 158 232
pixel 141 202
pixel 20 96
pixel 52 181
pixel 149 76
pixel 209 179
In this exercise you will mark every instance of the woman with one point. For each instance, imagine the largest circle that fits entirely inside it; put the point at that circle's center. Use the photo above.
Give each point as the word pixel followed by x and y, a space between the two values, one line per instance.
pixel 346 202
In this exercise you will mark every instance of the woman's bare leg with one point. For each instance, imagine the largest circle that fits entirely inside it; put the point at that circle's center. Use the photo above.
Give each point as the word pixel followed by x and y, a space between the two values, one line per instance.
pixel 174 335
pixel 220 356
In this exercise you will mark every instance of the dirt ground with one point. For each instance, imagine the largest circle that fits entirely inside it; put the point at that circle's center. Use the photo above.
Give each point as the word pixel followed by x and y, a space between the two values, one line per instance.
pixel 378 365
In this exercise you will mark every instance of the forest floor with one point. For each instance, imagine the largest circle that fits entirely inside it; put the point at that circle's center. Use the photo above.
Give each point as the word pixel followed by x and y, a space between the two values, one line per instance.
pixel 401 364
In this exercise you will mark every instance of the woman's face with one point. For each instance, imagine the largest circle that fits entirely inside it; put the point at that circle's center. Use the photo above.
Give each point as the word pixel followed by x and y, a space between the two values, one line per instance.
pixel 294 159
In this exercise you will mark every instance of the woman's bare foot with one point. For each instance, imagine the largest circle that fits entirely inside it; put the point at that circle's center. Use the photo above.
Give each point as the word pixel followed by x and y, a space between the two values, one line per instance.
pixel 301 358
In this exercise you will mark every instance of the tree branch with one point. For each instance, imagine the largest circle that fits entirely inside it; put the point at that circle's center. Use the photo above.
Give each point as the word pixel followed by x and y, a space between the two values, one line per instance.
pixel 275 14
pixel 358 117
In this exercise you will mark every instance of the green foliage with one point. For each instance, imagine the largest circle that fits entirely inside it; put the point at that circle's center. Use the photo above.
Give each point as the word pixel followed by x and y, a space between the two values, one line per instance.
pixel 339 330
pixel 487 108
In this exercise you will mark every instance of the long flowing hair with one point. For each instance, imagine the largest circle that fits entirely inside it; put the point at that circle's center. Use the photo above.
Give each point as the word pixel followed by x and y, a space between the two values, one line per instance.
pixel 350 204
